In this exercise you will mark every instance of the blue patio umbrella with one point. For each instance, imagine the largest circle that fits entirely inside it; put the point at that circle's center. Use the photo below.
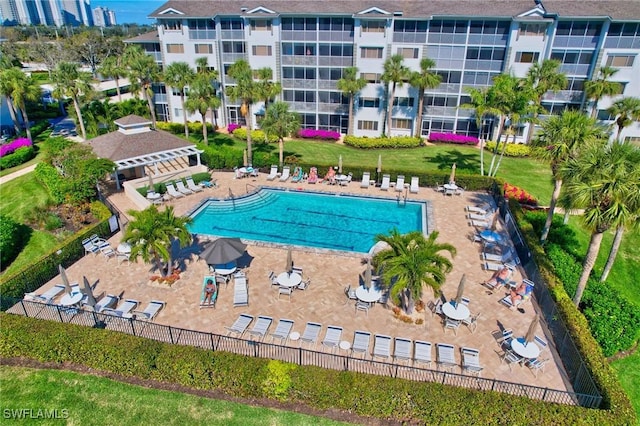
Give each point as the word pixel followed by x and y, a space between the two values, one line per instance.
pixel 223 250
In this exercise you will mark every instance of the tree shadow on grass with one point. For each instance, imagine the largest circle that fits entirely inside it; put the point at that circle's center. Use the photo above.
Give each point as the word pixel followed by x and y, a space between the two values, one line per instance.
pixel 465 162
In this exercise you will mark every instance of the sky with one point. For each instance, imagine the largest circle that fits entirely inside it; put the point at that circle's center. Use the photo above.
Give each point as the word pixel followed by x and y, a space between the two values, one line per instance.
pixel 131 11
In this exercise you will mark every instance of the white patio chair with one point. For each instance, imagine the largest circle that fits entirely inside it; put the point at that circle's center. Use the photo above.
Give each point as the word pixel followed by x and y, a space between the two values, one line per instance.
pixel 332 337
pixel 402 349
pixel 171 190
pixel 89 244
pixel 310 334
pixel 400 183
pixel 273 173
pixel 366 177
pixel 472 322
pixel 304 284
pixel 471 361
pixel 285 291
pixel 274 280
pixel 381 346
pixel 240 325
pixel 422 352
pixel 540 341
pixel 536 365
pixel 414 187
pixel 451 324
pixel 150 312
pixel 261 326
pixel 446 356
pixel 511 358
pixel 360 342
pixel 282 330
pixel 363 306
pixel 192 185
pixel 435 307
pixel 285 174
pixel 386 181
pixel 297 270
pixel 350 293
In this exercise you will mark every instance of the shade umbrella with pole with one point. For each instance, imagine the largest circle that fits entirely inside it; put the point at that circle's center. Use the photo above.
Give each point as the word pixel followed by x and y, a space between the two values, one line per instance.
pixel 91 300
pixel 452 176
pixel 531 333
pixel 151 185
pixel 368 273
pixel 223 251
pixel 244 158
pixel 494 221
pixel 340 164
pixel 289 265
pixel 461 289
pixel 379 168
pixel 65 280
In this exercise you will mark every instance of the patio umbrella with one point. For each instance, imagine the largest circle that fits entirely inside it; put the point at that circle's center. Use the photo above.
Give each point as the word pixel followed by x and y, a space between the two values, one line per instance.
pixel 461 288
pixel 244 158
pixel 531 333
pixel 340 164
pixel 452 177
pixel 289 265
pixel 223 250
pixel 379 168
pixel 368 275
pixel 65 280
pixel 494 221
pixel 151 186
pixel 91 300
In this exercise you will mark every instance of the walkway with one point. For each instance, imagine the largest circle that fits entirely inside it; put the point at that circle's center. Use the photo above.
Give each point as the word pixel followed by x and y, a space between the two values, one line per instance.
pixel 17 174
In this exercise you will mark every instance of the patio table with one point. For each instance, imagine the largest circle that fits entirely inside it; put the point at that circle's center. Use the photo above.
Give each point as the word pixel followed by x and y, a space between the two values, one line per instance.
pixel 450 186
pixel 225 269
pixel 525 350
pixel 287 279
pixel 457 312
pixel 71 299
pixel 368 295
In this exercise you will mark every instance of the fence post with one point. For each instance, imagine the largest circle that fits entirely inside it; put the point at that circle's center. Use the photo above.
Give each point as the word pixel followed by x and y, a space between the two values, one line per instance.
pixel 171 335
pixel 300 356
pixel 133 329
pixel 59 313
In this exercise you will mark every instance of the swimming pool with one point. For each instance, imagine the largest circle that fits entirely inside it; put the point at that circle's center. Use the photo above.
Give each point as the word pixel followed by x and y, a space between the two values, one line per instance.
pixel 329 221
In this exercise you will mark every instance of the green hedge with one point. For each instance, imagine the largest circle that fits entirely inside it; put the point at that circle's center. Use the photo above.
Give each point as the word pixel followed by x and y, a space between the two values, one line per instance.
pixel 178 128
pixel 257 136
pixel 513 149
pixel 238 376
pixel 11 240
pixel 614 396
pixel 371 143
pixel 19 156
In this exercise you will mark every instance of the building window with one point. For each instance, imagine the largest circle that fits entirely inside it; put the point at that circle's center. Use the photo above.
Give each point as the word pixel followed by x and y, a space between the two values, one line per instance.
pixel 332 98
pixel 401 123
pixel 371 52
pixel 532 30
pixel 172 25
pixel 202 24
pixel 527 57
pixel 231 24
pixel 299 49
pixel 299 73
pixel 620 61
pixel 204 48
pixel 410 26
pixel 632 140
pixel 233 47
pixel 344 50
pixel 261 25
pixel 298 24
pixel 403 102
pixel 333 74
pixel 367 125
pixel 373 26
pixel 369 102
pixel 569 57
pixel 175 48
pixel 371 77
pixel 261 50
pixel 408 52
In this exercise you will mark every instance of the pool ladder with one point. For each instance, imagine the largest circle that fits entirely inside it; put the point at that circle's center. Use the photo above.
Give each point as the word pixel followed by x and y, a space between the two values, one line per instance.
pixel 402 199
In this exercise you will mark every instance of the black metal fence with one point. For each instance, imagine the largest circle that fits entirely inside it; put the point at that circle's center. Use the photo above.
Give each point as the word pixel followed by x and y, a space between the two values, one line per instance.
pixel 299 356
pixel 577 372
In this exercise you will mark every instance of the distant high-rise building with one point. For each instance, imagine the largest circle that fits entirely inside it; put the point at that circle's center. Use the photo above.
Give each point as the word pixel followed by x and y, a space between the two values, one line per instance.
pixel 46 12
pixel 103 17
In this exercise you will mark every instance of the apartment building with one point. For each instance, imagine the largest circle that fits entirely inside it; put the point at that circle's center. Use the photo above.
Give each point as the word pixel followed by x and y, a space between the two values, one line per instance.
pixel 46 12
pixel 308 44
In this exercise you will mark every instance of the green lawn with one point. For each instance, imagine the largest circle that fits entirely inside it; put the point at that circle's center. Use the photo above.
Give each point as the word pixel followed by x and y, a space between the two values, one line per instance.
pixel 93 400
pixel 629 375
pixel 40 143
pixel 19 196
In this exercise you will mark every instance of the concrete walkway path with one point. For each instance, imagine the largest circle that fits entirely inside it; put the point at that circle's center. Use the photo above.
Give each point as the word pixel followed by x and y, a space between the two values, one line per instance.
pixel 16 174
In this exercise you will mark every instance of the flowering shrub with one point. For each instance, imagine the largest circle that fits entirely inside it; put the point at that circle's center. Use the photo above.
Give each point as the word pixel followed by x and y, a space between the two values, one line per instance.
pixel 371 143
pixel 519 194
pixel 12 146
pixel 512 150
pixel 231 127
pixel 453 138
pixel 319 134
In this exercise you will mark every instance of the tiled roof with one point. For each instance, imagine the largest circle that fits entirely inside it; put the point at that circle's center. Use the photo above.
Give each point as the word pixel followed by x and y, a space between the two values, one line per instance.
pixel 151 36
pixel 617 9
pixel 132 119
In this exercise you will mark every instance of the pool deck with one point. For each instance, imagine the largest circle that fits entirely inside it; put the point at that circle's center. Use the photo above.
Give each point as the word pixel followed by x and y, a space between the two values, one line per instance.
pixel 330 272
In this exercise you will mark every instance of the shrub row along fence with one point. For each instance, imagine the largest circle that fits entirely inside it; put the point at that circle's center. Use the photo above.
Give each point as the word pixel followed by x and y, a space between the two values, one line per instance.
pixel 577 371
pixel 298 356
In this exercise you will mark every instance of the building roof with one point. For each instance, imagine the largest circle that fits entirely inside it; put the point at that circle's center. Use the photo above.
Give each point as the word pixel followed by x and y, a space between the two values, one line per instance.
pixel 150 37
pixel 615 9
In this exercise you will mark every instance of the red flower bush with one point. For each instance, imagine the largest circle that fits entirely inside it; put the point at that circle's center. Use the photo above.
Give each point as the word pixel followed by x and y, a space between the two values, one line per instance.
pixel 519 194
pixel 319 134
pixel 12 146
pixel 232 126
pixel 453 138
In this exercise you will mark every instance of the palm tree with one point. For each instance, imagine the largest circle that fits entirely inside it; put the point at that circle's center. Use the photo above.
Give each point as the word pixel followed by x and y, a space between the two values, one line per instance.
pixel 9 78
pixel 411 262
pixel 202 68
pixel 423 80
pixel 201 98
pixel 281 122
pixel 247 91
pixel 19 89
pixel 601 87
pixel 178 75
pixel 151 233
pixel 112 67
pixel 604 180
pixel 396 73
pixel 268 88
pixel 72 83
pixel 626 111
pixel 350 84
pixel 561 138
pixel 542 78
pixel 480 103
pixel 143 72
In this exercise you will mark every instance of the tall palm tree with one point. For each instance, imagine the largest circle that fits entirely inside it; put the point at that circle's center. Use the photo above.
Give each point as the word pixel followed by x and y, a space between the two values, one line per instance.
pixel 561 138
pixel 626 111
pixel 423 80
pixel 267 88
pixel 480 103
pixel 143 72
pixel 113 67
pixel 71 82
pixel 542 78
pixel 151 233
pixel 178 75
pixel 604 180
pixel 396 73
pixel 281 122
pixel 201 98
pixel 247 91
pixel 350 84
pixel 411 262
pixel 18 90
pixel 202 69
pixel 600 87
pixel 9 78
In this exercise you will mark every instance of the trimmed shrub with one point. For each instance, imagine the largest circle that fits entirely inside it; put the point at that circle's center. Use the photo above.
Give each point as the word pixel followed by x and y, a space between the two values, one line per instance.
pixel 10 147
pixel 318 134
pixel 11 241
pixel 371 143
pixel 520 195
pixel 19 156
pixel 257 136
pixel 232 127
pixel 512 150
pixel 453 138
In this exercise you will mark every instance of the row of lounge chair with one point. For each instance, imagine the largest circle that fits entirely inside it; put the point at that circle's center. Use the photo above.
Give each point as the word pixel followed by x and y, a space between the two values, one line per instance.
pixel 180 190
pixel 414 186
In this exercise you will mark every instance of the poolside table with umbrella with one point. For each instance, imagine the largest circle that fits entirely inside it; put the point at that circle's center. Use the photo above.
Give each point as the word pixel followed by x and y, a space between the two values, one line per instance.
pixel 525 346
pixel 88 291
pixel 72 296
pixel 461 289
pixel 288 267
pixel 452 176
pixel 454 309
pixel 379 170
pixel 223 251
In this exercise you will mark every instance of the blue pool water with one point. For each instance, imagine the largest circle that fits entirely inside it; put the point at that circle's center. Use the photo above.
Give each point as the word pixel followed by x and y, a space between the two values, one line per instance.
pixel 336 222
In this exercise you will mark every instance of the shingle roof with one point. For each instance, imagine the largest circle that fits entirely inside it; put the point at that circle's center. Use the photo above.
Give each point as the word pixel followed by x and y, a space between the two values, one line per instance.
pixel 132 119
pixel 616 9
pixel 151 36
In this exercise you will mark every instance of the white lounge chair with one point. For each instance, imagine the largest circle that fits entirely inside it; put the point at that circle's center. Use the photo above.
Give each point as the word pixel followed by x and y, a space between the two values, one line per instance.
pixel 482 209
pixel 192 185
pixel 261 327
pixel 90 245
pixel 273 173
pixel 310 334
pixel 240 292
pixel 150 311
pixel 123 310
pixel 402 349
pixel 47 296
pixel 506 257
pixel 285 174
pixel 386 180
pixel 479 216
pixel 381 346
pixel 360 342
pixel 414 187
pixel 282 330
pixel 332 337
pixel 171 190
pixel 366 177
pixel 422 352
pixel 183 189
pixel 108 301
pixel 240 325
pixel 471 360
pixel 446 356
pixel 400 183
